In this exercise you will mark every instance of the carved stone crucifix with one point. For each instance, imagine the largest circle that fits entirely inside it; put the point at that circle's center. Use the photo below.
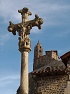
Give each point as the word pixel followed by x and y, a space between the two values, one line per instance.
pixel 23 30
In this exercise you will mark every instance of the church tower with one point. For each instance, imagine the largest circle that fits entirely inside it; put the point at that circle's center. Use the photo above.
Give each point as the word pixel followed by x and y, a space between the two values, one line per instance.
pixel 38 51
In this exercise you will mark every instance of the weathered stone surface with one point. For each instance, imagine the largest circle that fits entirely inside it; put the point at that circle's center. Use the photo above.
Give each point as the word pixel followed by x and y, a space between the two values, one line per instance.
pixel 32 85
pixel 24 73
pixel 49 85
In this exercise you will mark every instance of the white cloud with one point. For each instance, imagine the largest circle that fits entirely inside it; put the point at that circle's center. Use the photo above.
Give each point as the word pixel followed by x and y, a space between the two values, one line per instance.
pixel 4 38
pixel 9 77
pixel 9 8
pixel 6 80
pixel 61 34
pixel 9 83
pixel 36 30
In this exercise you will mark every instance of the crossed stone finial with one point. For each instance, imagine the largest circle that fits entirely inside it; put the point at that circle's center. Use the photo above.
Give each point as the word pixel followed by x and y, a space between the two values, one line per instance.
pixel 24 28
pixel 25 23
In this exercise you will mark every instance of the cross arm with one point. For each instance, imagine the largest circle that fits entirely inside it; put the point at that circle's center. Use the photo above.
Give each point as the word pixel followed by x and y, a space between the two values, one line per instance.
pixel 36 22
pixel 13 27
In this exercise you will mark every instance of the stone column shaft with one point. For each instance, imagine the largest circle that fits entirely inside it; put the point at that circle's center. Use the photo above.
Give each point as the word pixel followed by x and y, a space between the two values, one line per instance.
pixel 24 73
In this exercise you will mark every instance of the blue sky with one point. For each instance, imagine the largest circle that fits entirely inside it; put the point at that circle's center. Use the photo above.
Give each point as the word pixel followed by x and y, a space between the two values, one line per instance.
pixel 54 35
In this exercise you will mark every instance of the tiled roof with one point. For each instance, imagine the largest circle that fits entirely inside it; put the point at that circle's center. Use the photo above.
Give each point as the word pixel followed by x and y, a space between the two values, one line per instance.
pixel 65 58
pixel 54 66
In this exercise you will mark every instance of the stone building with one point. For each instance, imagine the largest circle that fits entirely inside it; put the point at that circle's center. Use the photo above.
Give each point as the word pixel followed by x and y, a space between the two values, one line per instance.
pixel 50 74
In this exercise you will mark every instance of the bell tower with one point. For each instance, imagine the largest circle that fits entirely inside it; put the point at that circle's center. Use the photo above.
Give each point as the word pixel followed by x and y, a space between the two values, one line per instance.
pixel 38 51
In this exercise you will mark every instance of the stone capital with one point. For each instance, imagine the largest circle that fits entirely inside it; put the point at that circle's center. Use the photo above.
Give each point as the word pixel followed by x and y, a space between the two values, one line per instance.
pixel 24 49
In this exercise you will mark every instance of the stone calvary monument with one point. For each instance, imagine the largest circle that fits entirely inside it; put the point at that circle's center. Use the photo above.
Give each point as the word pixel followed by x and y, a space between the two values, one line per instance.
pixel 23 30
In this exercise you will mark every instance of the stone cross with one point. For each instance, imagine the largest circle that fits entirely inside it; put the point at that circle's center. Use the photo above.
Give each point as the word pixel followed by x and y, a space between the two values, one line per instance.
pixel 23 30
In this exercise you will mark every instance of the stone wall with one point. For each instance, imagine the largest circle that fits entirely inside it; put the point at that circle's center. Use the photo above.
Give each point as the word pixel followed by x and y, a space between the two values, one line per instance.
pixel 41 61
pixel 52 84
pixel 32 85
pixel 49 85
pixel 45 59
